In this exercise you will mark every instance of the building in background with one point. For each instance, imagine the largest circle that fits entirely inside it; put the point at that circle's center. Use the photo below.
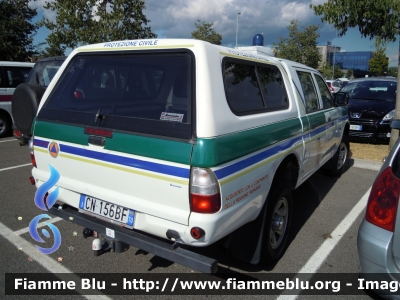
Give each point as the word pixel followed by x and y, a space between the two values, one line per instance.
pixel 357 61
pixel 327 51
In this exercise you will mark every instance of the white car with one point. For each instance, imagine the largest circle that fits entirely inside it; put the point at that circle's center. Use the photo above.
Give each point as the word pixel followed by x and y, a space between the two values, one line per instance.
pixel 334 85
pixel 172 144
pixel 11 74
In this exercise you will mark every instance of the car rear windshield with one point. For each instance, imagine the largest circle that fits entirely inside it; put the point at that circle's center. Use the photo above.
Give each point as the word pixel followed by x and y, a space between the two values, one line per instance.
pixel 371 90
pixel 43 72
pixel 148 93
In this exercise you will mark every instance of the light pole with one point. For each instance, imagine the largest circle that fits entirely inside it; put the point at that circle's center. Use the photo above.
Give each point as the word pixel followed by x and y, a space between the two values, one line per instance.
pixel 237 26
pixel 334 52
pixel 333 72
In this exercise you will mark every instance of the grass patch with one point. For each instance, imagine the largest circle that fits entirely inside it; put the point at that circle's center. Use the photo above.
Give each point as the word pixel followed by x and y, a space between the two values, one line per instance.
pixel 373 152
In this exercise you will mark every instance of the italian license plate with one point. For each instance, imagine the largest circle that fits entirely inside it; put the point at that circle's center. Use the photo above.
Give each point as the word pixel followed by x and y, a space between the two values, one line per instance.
pixel 355 127
pixel 108 210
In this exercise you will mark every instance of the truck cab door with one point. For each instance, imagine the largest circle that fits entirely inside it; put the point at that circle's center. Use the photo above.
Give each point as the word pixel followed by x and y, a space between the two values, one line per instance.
pixel 315 145
pixel 332 118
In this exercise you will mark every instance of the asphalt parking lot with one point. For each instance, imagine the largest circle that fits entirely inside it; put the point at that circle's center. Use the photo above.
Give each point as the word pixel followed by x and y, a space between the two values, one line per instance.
pixel 327 215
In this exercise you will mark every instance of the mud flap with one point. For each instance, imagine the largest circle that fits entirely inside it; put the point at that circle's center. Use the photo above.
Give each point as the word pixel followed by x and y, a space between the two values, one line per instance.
pixel 247 241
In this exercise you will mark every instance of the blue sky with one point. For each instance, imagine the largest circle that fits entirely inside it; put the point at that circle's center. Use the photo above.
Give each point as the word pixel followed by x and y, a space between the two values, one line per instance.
pixel 176 18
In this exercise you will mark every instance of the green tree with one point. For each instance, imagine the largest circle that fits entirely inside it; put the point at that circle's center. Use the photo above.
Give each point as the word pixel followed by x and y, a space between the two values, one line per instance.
pixel 300 46
pixel 373 19
pixel 326 69
pixel 80 22
pixel 205 32
pixel 379 63
pixel 53 50
pixel 349 74
pixel 392 71
pixel 16 30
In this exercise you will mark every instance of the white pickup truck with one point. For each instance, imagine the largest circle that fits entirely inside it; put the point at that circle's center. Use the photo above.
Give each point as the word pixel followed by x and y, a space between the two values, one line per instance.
pixel 172 144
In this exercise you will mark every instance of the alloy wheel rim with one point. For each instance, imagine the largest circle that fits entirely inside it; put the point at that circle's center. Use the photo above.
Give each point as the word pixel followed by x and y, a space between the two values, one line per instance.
pixel 342 155
pixel 279 223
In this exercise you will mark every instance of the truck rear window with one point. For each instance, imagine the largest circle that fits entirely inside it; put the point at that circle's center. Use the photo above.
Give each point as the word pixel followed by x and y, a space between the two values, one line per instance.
pixel 147 93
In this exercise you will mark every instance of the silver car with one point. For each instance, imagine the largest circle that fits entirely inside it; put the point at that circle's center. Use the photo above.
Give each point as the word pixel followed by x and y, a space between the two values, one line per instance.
pixel 379 234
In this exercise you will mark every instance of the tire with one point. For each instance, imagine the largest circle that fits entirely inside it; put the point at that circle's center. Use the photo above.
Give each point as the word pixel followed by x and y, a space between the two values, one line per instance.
pixel 334 167
pixel 5 124
pixel 277 222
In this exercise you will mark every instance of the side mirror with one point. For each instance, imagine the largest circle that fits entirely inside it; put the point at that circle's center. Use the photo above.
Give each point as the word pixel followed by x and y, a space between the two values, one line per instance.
pixel 341 99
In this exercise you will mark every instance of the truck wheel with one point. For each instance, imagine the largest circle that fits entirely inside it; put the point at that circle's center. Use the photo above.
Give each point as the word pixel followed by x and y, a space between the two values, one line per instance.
pixel 5 124
pixel 277 222
pixel 334 167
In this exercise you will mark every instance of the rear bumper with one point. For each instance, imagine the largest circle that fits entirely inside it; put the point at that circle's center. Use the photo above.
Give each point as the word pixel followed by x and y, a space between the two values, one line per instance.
pixel 144 242
pixel 375 255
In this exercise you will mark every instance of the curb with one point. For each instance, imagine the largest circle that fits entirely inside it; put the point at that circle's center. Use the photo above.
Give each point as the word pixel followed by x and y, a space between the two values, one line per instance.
pixel 365 164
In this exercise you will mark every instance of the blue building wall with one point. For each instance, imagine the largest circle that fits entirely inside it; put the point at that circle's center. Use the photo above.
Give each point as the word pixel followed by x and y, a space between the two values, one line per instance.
pixel 358 61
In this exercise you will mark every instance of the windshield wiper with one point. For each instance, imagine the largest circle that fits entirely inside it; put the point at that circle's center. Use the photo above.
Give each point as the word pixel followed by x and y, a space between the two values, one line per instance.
pixel 99 116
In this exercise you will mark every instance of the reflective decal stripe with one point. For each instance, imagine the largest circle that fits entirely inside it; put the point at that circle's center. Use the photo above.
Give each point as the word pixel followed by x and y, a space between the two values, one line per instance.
pixel 91 156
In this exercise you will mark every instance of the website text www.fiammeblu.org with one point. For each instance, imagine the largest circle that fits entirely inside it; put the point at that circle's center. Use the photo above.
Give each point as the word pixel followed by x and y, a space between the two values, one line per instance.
pixel 195 284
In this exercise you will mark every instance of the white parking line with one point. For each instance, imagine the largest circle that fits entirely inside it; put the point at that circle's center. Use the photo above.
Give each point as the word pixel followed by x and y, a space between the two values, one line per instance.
pixel 319 256
pixel 44 260
pixel 8 140
pixel 9 168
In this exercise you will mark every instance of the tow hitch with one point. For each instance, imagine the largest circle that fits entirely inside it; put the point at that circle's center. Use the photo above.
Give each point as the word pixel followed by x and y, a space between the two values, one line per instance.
pixel 101 245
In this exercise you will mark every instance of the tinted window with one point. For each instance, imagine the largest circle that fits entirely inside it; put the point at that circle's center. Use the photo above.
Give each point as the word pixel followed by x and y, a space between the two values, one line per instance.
pixel 273 87
pixel 375 90
pixel 43 72
pixel 242 87
pixel 138 92
pixel 253 88
pixel 15 75
pixel 327 99
pixel 309 92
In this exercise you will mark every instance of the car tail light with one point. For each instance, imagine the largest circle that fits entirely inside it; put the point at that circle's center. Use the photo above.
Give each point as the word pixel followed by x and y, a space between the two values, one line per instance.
pixel 99 132
pixel 204 192
pixel 383 200
pixel 17 133
pixel 33 160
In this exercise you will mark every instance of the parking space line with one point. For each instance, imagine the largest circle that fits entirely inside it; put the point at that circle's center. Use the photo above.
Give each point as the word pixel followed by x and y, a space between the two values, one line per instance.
pixel 19 166
pixel 319 256
pixel 3 141
pixel 44 260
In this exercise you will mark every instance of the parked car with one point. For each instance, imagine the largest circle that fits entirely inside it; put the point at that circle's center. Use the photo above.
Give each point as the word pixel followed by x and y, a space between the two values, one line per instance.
pixel 169 144
pixel 371 108
pixel 12 73
pixel 334 85
pixel 378 239
pixel 37 81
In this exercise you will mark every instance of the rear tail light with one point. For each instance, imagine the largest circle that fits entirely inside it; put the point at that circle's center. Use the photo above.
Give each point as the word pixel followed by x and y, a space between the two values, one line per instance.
pixel 383 200
pixel 16 133
pixel 204 192
pixel 33 160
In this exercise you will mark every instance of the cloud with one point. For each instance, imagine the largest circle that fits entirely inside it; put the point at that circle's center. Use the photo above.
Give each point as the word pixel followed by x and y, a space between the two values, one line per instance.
pixel 176 19
pixel 39 5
